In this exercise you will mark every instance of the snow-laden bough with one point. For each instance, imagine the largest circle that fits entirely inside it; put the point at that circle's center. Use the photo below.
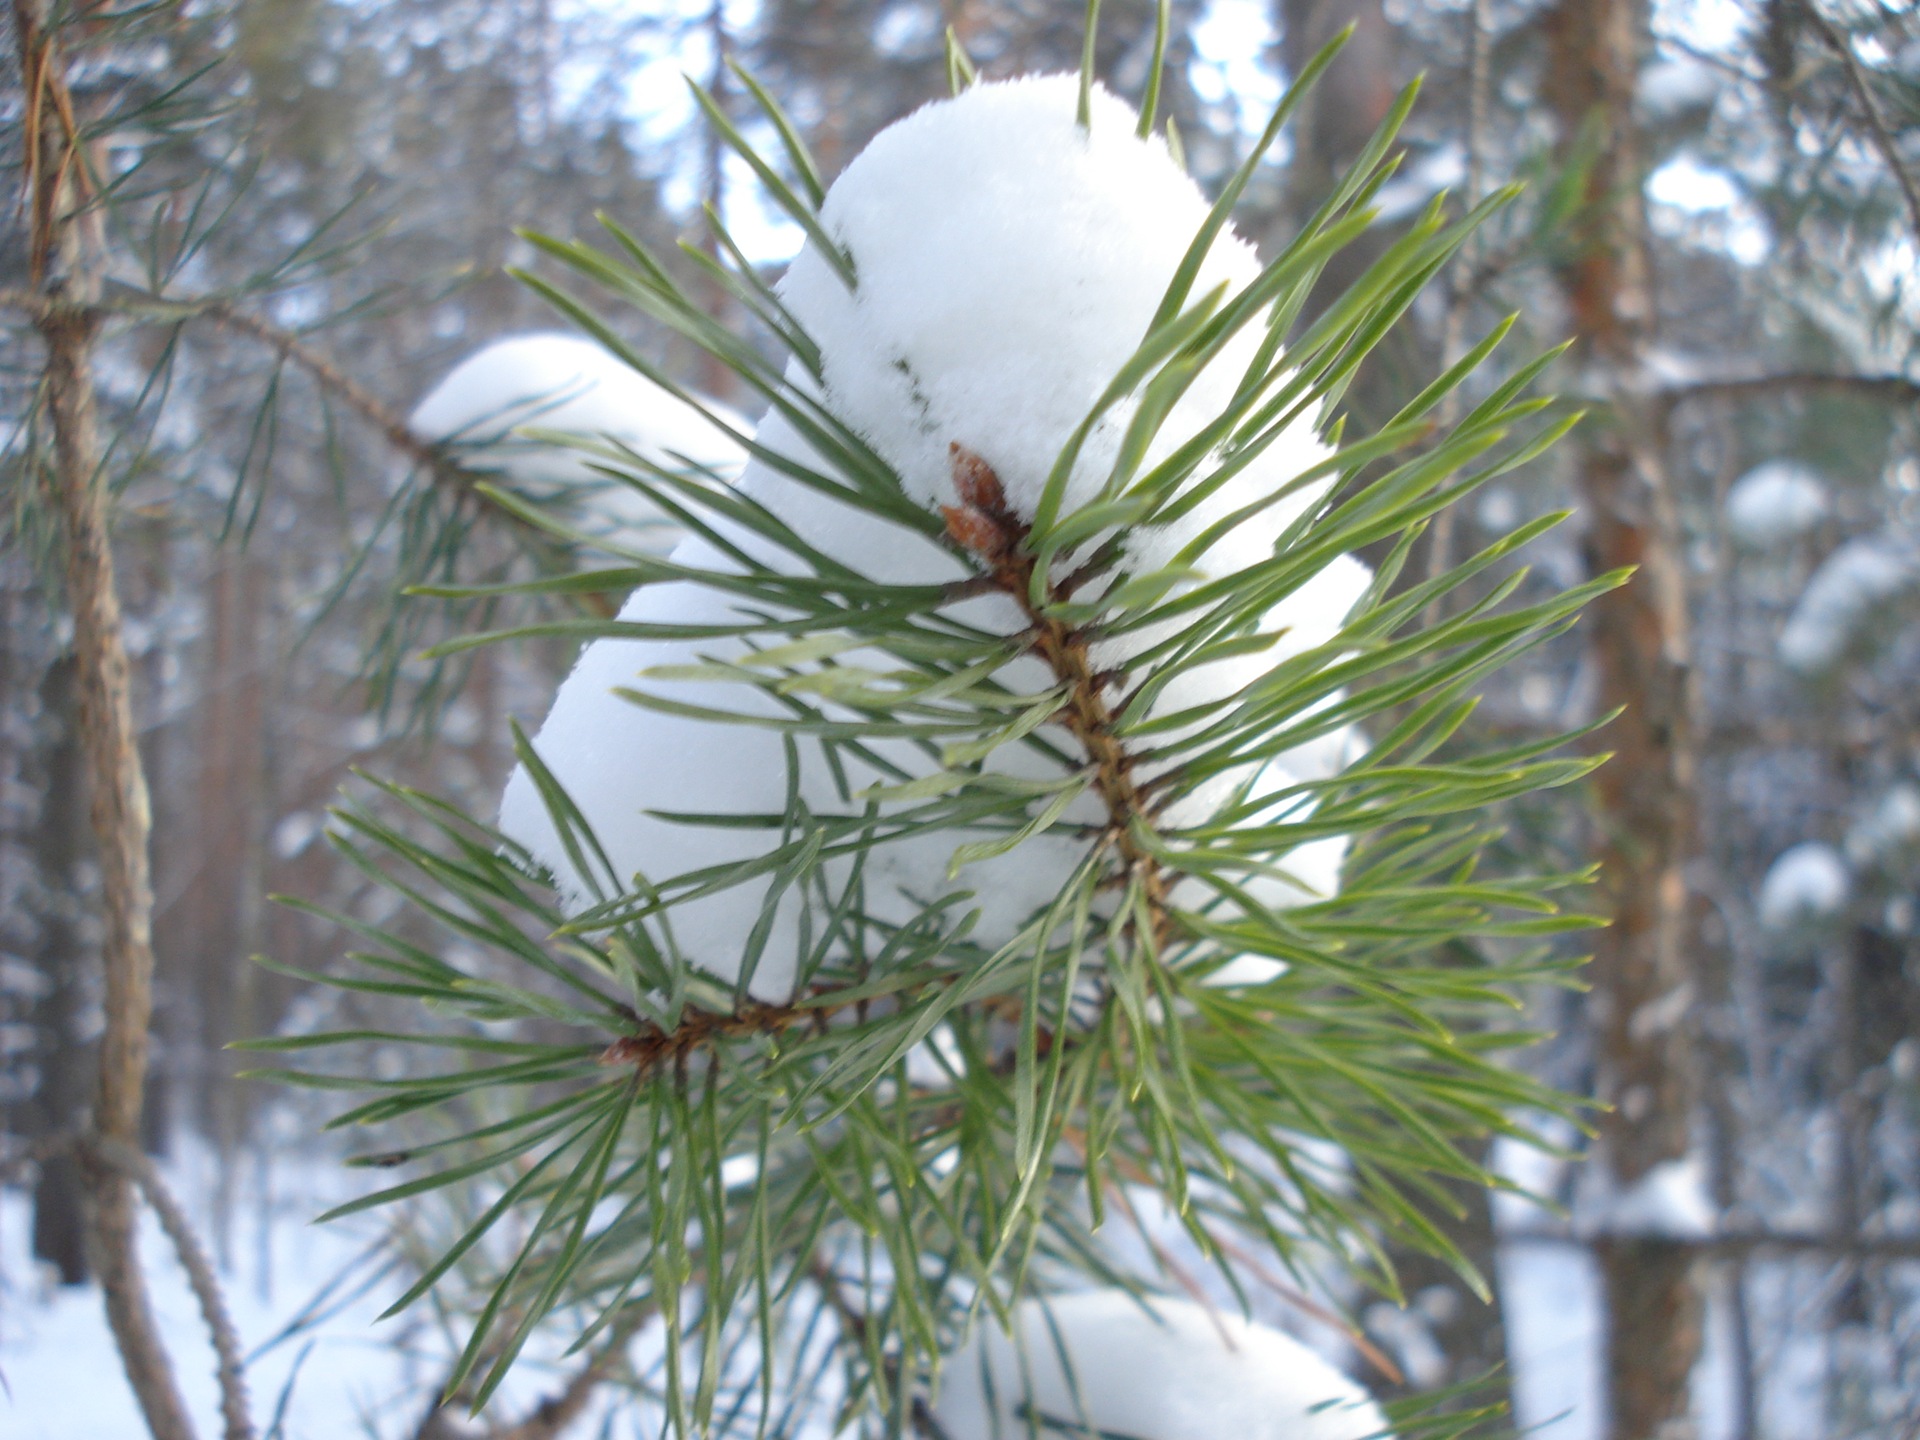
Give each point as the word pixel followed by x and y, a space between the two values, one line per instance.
pixel 1009 262
pixel 551 412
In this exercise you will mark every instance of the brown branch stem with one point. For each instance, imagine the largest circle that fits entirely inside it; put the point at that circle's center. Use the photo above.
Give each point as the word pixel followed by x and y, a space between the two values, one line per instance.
pixel 551 1416
pixel 65 271
pixel 1890 389
pixel 231 1368
pixel 984 525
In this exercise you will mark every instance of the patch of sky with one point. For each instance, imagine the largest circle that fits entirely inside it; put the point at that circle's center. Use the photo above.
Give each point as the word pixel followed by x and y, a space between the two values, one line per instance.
pixel 1702 203
pixel 1714 27
pixel 1686 184
pixel 1441 168
pixel 655 47
pixel 907 29
pixel 1233 46
pixel 661 42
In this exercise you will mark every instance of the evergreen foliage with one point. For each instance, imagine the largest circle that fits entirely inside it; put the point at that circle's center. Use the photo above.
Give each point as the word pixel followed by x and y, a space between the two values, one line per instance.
pixel 932 1127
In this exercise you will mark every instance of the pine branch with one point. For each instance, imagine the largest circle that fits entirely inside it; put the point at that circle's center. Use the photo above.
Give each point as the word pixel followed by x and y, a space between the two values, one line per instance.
pixel 1862 88
pixel 1889 389
pixel 955 740
pixel 855 1326
pixel 557 1412
pixel 377 413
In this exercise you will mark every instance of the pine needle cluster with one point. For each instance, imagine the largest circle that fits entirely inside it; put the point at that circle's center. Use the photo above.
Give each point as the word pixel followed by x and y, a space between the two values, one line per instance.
pixel 933 1124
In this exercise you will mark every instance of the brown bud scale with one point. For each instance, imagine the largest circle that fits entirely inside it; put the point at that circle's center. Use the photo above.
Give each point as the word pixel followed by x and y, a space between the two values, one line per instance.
pixel 975 482
pixel 973 530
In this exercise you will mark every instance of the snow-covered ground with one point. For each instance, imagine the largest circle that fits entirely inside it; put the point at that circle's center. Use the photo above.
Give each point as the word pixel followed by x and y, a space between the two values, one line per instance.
pixel 345 1376
pixel 63 1377
pixel 304 1299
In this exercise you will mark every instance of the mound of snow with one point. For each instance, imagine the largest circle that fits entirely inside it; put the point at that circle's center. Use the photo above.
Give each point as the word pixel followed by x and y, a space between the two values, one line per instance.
pixel 569 385
pixel 1105 1361
pixel 1846 602
pixel 1008 264
pixel 1806 884
pixel 1774 503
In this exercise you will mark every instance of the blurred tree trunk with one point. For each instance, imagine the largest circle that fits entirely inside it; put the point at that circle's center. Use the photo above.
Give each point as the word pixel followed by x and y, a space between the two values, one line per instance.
pixel 1639 638
pixel 64 1091
pixel 1341 114
pixel 1353 97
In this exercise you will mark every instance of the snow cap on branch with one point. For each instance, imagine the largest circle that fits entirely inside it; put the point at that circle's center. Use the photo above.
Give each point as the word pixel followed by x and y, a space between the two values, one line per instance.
pixel 1008 265
pixel 570 385
pixel 1856 596
pixel 1774 503
pixel 1807 884
pixel 1151 1369
pixel 1009 261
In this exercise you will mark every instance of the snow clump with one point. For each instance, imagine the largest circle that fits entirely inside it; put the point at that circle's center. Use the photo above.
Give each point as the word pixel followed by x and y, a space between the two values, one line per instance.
pixel 572 386
pixel 1846 603
pixel 1149 1369
pixel 1808 883
pixel 1774 503
pixel 1008 262
pixel 1891 830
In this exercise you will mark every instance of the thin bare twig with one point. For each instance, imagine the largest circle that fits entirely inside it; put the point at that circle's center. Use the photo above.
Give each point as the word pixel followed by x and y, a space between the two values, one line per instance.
pixel 558 1411
pixel 1889 389
pixel 1739 1242
pixel 309 359
pixel 231 1370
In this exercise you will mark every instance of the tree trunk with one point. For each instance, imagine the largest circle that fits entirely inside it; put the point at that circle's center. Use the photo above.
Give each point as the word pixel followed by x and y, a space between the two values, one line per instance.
pixel 63 961
pixel 1644 800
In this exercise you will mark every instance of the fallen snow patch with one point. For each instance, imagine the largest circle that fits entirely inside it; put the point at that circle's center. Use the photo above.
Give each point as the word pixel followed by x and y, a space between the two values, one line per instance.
pixel 1150 1369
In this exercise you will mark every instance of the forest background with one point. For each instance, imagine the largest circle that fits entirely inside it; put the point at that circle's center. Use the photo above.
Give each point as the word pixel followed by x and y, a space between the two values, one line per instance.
pixel 316 203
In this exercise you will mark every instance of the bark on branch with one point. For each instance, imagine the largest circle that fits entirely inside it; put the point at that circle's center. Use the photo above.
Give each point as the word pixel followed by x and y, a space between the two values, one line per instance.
pixel 60 199
pixel 235 1412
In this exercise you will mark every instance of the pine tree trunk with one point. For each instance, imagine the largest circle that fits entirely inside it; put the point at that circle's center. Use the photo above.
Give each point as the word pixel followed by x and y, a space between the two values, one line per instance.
pixel 64 961
pixel 1642 970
